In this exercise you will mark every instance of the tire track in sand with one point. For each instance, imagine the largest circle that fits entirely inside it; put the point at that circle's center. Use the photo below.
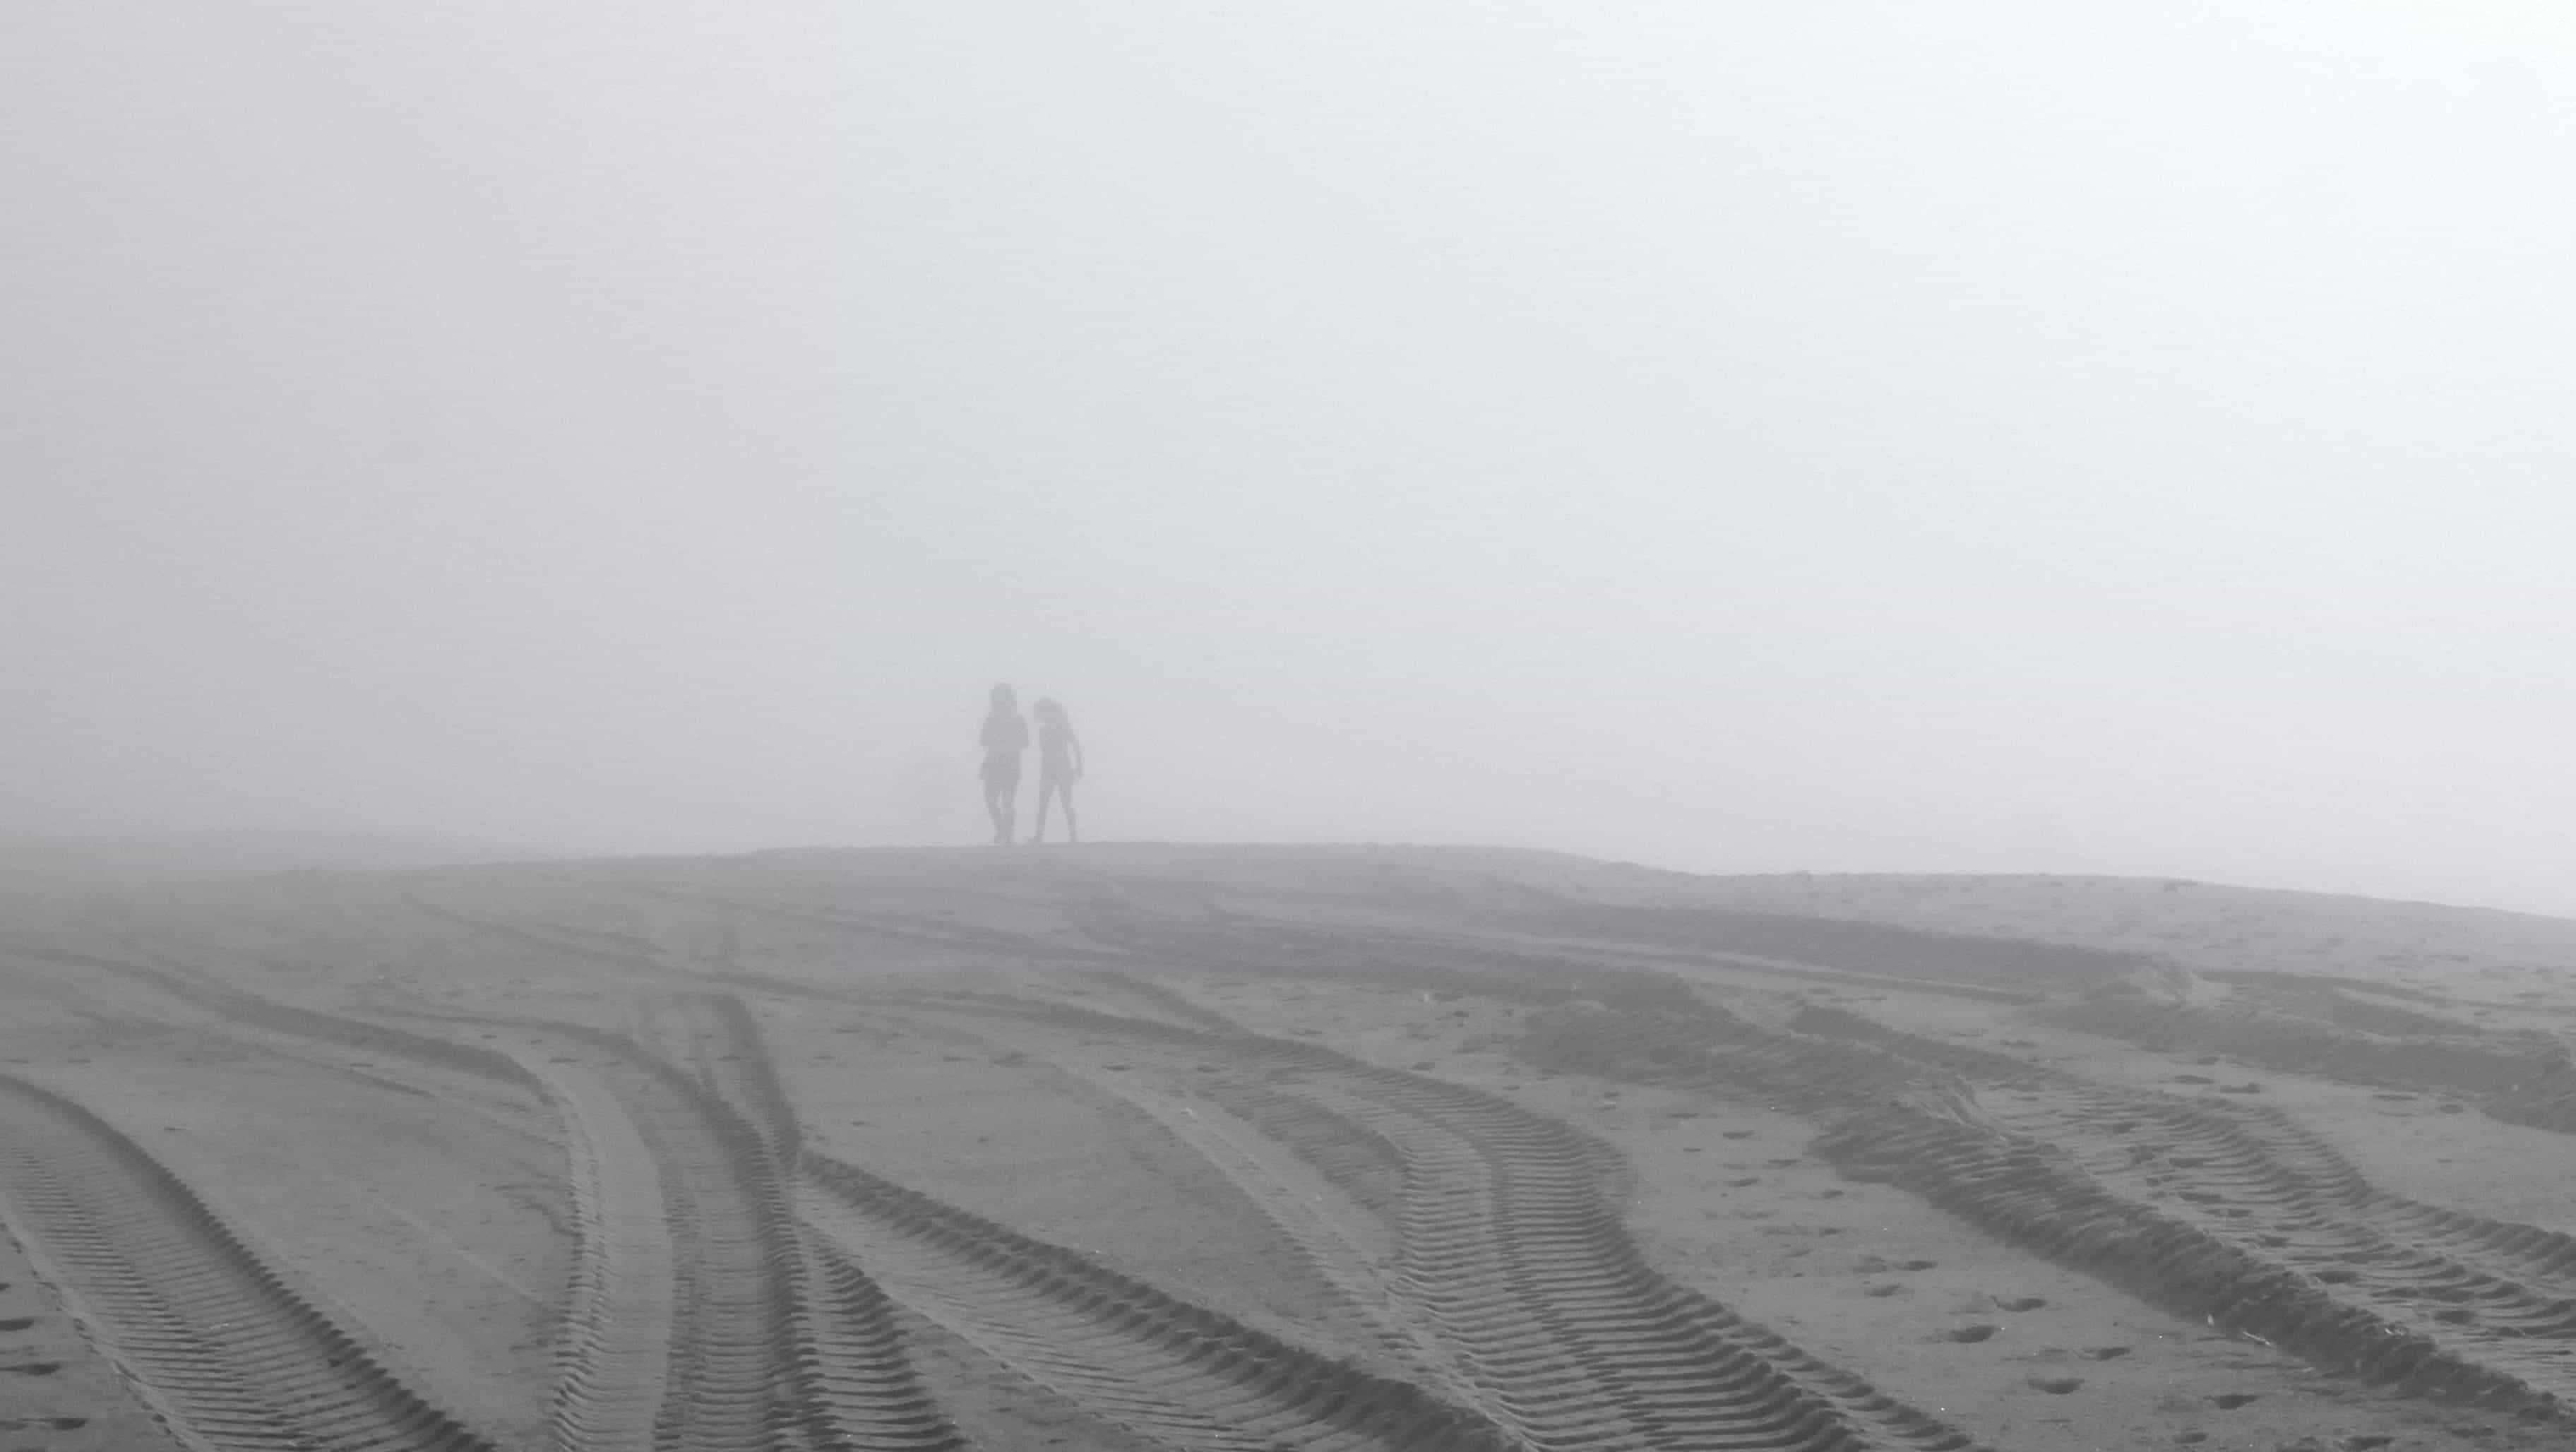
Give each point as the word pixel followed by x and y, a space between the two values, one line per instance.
pixel 1121 1350
pixel 218 1343
pixel 1165 1369
pixel 1924 1129
pixel 702 1318
pixel 1511 1258
pixel 2253 1177
pixel 658 1167
pixel 1341 1245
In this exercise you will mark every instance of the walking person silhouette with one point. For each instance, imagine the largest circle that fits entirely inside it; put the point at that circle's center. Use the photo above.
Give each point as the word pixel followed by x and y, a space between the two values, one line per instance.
pixel 1005 736
pixel 1059 765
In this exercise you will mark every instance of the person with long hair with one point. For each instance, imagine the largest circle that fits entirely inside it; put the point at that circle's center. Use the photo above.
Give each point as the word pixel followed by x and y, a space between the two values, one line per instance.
pixel 1059 766
pixel 1005 736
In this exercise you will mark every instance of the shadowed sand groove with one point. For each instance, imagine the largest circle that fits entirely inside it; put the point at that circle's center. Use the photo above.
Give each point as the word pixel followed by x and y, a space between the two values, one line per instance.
pixel 1333 1252
pixel 2254 1178
pixel 675 1198
pixel 720 1043
pixel 1513 1260
pixel 702 1318
pixel 1900 1123
pixel 267 1013
pixel 1178 1007
pixel 1127 1353
pixel 1341 1244
pixel 864 1379
pixel 2265 1029
pixel 1042 1337
pixel 219 1345
pixel 2026 1194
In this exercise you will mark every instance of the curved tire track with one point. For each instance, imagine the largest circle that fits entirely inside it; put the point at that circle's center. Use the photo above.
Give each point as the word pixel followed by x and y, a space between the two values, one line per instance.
pixel 1155 1364
pixel 1510 1249
pixel 975 1279
pixel 1332 1243
pixel 2025 1194
pixel 1513 1260
pixel 2253 1177
pixel 688 1243
pixel 1899 1123
pixel 227 1002
pixel 1164 1368
pixel 219 1343
pixel 703 1318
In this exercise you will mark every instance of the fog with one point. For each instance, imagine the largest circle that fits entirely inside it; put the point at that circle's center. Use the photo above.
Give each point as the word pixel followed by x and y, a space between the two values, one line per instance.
pixel 1913 437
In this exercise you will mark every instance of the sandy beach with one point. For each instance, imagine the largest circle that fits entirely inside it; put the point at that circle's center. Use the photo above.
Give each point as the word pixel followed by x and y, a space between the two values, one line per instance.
pixel 1248 1147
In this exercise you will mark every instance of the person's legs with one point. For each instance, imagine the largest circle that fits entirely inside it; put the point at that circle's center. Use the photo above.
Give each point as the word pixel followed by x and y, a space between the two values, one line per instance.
pixel 1046 788
pixel 1001 794
pixel 1072 828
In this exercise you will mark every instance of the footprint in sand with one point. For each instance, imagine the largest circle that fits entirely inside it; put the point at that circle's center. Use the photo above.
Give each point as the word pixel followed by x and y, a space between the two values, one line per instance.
pixel 16 1323
pixel 2230 1401
pixel 2019 1303
pixel 2056 1386
pixel 1735 1134
pixel 2103 1353
pixel 1982 1331
pixel 1885 1290
pixel 34 1368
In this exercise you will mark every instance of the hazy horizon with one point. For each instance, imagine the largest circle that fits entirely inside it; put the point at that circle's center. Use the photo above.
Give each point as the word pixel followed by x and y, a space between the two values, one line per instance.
pixel 1922 438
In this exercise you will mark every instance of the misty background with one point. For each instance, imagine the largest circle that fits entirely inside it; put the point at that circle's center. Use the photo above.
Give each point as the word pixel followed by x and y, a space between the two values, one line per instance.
pixel 1915 437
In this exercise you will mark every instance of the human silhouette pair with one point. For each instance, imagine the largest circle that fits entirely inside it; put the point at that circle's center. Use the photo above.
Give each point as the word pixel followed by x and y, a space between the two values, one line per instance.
pixel 1005 736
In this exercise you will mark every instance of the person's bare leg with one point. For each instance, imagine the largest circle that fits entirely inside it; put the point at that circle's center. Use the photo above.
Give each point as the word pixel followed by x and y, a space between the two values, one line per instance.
pixel 998 804
pixel 1072 828
pixel 1045 789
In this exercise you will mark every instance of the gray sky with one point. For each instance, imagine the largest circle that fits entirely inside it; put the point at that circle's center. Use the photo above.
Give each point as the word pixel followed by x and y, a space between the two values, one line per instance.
pixel 1901 436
